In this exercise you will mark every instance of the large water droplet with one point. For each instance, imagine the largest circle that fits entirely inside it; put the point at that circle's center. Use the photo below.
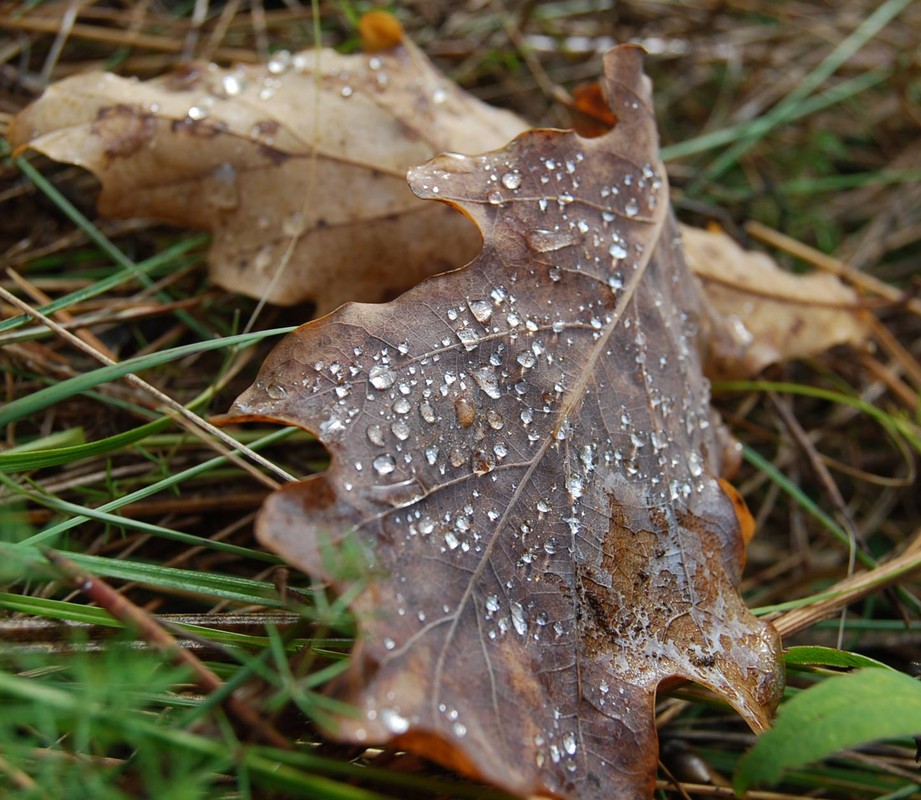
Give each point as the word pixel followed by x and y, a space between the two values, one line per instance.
pixel 545 241
pixel 631 208
pixel 481 310
pixel 617 251
pixel 384 464
pixel 426 411
pixel 400 429
pixel 486 379
pixel 519 620
pixel 393 721
pixel 376 435
pixel 511 180
pixel 382 376
pixel 468 338
pixel 569 743
pixel 276 392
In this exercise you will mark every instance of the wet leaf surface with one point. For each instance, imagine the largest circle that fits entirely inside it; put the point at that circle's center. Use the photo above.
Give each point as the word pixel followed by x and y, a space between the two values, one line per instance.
pixel 524 459
pixel 298 167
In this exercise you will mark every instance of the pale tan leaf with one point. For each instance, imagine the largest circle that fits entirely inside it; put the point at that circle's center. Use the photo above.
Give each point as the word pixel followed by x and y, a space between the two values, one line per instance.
pixel 308 153
pixel 763 314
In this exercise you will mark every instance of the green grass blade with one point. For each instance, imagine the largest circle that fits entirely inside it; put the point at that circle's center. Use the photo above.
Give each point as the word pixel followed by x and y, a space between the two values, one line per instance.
pixel 842 711
pixel 24 406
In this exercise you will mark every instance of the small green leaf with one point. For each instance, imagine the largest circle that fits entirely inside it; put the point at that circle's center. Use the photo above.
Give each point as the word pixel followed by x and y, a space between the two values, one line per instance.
pixel 840 712
pixel 816 656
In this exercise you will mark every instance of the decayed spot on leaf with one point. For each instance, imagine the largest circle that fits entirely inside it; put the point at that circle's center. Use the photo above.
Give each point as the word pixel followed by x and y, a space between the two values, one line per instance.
pixel 763 314
pixel 308 154
pixel 523 451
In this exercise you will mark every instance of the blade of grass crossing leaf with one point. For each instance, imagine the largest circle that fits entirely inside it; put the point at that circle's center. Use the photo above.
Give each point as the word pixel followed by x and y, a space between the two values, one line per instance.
pixel 52 457
pixel 206 584
pixel 110 282
pixel 50 501
pixel 784 110
pixel 842 711
pixel 43 398
pixel 48 535
pixel 96 236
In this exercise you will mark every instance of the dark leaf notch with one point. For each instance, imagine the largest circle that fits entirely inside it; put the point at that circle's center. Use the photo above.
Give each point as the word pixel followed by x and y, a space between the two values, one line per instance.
pixel 525 449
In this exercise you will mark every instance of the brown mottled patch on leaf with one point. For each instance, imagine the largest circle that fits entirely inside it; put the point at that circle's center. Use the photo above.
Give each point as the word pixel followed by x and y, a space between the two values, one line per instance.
pixel 523 455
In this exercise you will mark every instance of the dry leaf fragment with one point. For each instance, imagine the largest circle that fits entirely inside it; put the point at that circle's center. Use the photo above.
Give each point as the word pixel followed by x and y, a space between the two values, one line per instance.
pixel 523 456
pixel 764 315
pixel 308 154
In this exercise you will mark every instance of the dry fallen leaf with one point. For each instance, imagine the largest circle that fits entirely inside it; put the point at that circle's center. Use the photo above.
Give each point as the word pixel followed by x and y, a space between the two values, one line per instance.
pixel 523 458
pixel 764 315
pixel 308 154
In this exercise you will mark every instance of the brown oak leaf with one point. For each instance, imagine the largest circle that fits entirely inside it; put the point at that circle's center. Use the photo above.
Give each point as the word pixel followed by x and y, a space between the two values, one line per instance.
pixel 298 167
pixel 523 454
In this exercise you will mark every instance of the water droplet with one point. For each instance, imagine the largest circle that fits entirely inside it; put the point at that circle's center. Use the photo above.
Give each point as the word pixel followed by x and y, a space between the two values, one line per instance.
pixel 495 420
pixel 519 620
pixel 486 379
pixel 543 505
pixel 279 62
pixel 389 643
pixel 393 721
pixel 545 241
pixel 465 411
pixel 631 208
pixel 575 486
pixel 346 91
pixel 276 392
pixel 482 462
pixel 495 197
pixel 555 274
pixel 694 465
pixel 431 454
pixel 526 359
pixel 457 457
pixel 569 743
pixel 384 464
pixel 400 430
pixel 382 376
pixel 376 435
pixel 451 540
pixel 232 85
pixel 527 415
pixel 401 406
pixel 481 310
pixel 439 96
pixel 426 411
pixel 426 525
pixel 459 729
pixel 511 180
pixel 492 604
pixel 468 338
pixel 617 252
